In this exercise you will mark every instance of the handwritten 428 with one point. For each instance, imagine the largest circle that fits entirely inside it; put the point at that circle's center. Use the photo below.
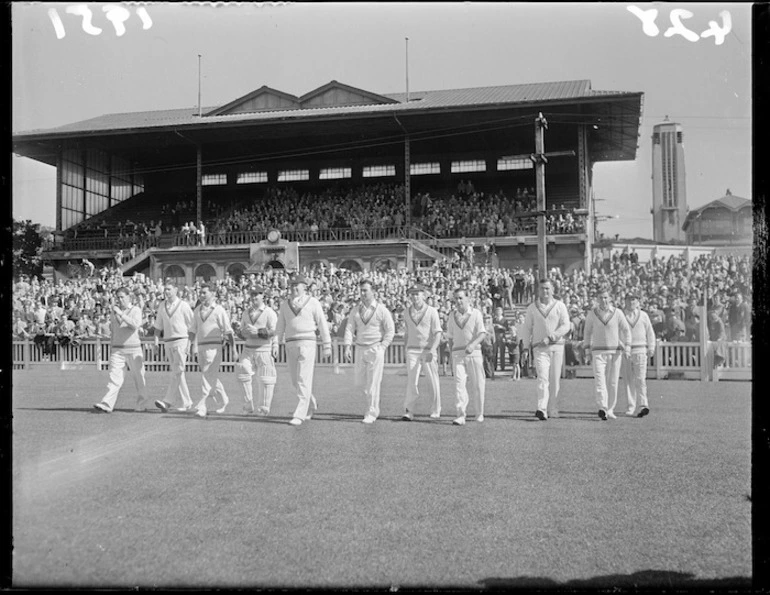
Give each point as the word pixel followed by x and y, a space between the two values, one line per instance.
pixel 677 27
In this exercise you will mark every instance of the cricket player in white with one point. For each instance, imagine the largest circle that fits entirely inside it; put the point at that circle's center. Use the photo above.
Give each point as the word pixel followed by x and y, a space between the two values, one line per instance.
pixel 258 326
pixel 370 324
pixel 421 337
pixel 545 324
pixel 299 317
pixel 465 332
pixel 634 367
pixel 173 319
pixel 125 352
pixel 210 327
pixel 607 336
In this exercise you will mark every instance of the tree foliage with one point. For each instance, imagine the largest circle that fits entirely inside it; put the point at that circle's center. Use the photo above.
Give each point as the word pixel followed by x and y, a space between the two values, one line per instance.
pixel 27 249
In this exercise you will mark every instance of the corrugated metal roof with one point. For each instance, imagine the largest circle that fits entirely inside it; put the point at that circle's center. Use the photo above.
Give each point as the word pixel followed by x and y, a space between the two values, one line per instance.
pixel 420 100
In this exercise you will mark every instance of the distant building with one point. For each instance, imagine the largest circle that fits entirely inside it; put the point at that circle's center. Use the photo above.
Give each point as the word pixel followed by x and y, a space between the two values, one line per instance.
pixel 669 196
pixel 726 220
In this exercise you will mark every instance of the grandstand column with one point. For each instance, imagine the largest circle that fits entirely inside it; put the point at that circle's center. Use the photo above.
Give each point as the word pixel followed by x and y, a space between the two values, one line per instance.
pixel 59 168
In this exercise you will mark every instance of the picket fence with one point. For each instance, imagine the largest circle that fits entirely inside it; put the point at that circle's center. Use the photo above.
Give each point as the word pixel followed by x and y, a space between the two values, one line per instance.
pixel 693 361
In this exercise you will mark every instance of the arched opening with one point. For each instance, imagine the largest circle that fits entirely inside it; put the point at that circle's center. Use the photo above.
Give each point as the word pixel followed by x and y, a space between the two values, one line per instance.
pixel 175 273
pixel 274 264
pixel 351 265
pixel 236 271
pixel 205 273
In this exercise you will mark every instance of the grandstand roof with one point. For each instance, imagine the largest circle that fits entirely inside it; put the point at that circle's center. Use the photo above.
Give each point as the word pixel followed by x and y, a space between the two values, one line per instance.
pixel 614 116
pixel 420 101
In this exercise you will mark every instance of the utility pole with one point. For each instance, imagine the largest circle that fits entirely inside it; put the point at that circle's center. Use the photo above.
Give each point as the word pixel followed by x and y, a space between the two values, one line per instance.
pixel 407 182
pixel 198 184
pixel 540 160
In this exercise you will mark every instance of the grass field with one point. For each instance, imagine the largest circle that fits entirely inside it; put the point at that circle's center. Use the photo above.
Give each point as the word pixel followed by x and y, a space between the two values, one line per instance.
pixel 170 500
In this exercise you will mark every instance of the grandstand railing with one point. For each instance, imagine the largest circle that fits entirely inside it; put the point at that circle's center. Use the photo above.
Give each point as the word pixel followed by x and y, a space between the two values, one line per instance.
pixel 671 360
pixel 525 225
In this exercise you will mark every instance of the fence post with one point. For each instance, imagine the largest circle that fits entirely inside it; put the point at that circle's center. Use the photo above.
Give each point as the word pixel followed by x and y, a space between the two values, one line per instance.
pixel 658 360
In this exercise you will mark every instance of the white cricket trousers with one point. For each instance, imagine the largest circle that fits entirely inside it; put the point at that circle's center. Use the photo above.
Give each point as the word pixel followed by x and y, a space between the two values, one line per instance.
pixel 300 356
pixel 634 383
pixel 469 378
pixel 175 352
pixel 415 363
pixel 370 362
pixel 261 364
pixel 606 366
pixel 120 359
pixel 209 360
pixel 548 364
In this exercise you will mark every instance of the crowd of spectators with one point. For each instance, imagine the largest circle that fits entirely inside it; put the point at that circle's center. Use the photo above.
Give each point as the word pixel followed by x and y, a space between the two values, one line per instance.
pixel 671 292
pixel 374 206
pixel 477 214
pixel 285 209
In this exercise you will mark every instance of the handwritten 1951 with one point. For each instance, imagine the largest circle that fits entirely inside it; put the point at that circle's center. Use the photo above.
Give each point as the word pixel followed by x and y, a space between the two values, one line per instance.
pixel 114 13
pixel 677 27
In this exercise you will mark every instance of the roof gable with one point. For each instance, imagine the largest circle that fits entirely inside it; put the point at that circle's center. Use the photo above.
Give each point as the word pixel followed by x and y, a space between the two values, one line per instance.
pixel 263 99
pixel 336 94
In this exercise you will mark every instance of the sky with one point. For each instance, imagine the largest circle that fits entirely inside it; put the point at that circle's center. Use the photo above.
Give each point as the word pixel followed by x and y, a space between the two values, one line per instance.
pixel 62 74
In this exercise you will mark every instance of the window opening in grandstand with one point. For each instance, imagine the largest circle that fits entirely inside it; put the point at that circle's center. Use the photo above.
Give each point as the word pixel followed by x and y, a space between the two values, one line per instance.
pixel 252 177
pixel 421 169
pixel 335 173
pixel 379 171
pixel 292 175
pixel 466 166
pixel 214 180
pixel 508 163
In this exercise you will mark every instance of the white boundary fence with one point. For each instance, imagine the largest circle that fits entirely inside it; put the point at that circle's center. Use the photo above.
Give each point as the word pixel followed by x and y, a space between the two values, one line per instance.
pixel 671 360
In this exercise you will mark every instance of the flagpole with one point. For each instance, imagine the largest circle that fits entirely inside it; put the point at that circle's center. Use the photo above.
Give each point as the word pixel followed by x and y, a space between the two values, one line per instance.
pixel 199 85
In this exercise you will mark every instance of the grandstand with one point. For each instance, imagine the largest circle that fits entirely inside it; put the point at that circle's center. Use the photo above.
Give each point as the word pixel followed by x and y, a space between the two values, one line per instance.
pixel 461 153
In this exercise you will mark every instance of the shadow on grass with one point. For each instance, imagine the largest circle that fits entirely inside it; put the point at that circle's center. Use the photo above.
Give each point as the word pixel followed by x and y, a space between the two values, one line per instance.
pixel 658 580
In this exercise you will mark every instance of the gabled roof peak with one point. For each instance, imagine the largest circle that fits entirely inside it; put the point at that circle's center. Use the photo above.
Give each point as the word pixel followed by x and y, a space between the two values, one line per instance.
pixel 332 94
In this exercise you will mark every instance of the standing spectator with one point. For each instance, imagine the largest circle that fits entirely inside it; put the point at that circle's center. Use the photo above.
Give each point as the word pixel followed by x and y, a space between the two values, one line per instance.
pixel 488 347
pixel 717 335
pixel 465 330
pixel 501 330
pixel 371 326
pixel 201 233
pixel 739 316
